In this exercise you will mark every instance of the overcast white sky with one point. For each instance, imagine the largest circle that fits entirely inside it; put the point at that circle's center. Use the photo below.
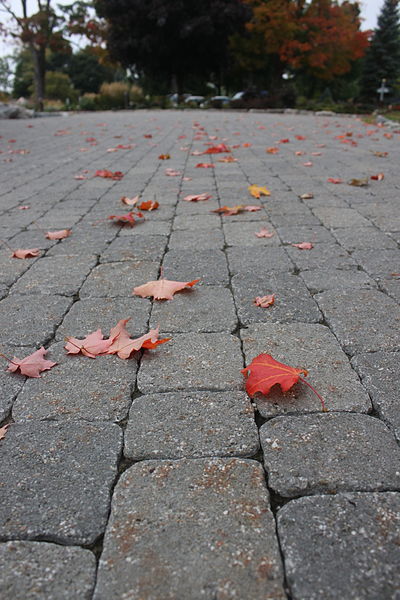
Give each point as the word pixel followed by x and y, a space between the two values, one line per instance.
pixel 369 11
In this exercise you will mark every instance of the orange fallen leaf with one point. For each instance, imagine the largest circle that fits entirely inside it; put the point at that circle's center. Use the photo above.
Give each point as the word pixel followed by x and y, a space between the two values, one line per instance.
pixel 334 180
pixel 31 365
pixel 205 166
pixel 148 205
pixel 123 345
pixel 58 235
pixel 229 210
pixel 378 177
pixel 272 150
pixel 29 253
pixel 106 174
pixel 216 149
pixel 162 289
pixel 126 219
pixel 257 191
pixel 246 145
pixel 92 345
pixel 304 246
pixel 197 197
pixel 359 182
pixel 381 154
pixel 284 141
pixel 300 137
pixel 264 233
pixel 228 159
pixel 164 156
pixel 264 372
pixel 264 301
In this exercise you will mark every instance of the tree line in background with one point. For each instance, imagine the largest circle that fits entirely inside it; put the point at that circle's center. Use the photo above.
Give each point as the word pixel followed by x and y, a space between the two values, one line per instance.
pixel 295 52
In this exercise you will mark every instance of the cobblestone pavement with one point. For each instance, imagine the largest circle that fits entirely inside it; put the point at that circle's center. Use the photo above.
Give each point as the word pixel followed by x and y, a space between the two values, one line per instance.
pixel 157 478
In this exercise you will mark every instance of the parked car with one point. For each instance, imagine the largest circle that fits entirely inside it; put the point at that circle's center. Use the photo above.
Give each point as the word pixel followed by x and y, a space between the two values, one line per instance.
pixel 219 101
pixel 194 100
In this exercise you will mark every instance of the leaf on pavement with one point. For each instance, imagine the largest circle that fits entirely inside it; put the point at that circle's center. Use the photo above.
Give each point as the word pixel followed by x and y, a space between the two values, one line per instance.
pixel 123 345
pixel 264 233
pixel 216 149
pixel 378 177
pixel 334 180
pixel 359 182
pixel 106 174
pixel 304 246
pixel 164 157
pixel 264 301
pixel 130 201
pixel 162 289
pixel 92 345
pixel 205 166
pixel 58 235
pixel 197 197
pixel 126 219
pixel 29 253
pixel 257 191
pixel 148 205
pixel 3 431
pixel 264 372
pixel 31 365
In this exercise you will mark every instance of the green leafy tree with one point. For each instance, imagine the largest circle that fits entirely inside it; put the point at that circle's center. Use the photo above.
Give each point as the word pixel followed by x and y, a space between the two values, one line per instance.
pixel 168 40
pixel 382 60
pixel 86 72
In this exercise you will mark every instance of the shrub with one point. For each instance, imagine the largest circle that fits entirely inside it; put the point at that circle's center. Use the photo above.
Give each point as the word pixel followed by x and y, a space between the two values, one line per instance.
pixel 113 95
pixel 88 101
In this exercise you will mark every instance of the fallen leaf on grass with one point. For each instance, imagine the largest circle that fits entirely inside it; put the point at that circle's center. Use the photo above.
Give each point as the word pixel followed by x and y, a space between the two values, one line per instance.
pixel 304 246
pixel 130 201
pixel 29 253
pixel 106 174
pixel 148 205
pixel 359 182
pixel 92 345
pixel 378 177
pixel 205 166
pixel 162 289
pixel 264 372
pixel 264 301
pixel 126 219
pixel 31 365
pixel 58 235
pixel 3 431
pixel 264 233
pixel 257 191
pixel 197 197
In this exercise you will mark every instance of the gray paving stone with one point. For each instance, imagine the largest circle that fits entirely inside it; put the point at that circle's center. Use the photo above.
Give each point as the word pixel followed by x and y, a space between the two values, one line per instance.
pixel 379 371
pixel 243 234
pixel 37 570
pixel 89 314
pixel 182 222
pixel 146 228
pixel 342 546
pixel 333 217
pixel 200 309
pixel 379 264
pixel 32 239
pixel 208 265
pixel 78 388
pixel 314 348
pixel 325 454
pixel 391 287
pixel 31 320
pixel 10 383
pixel 3 291
pixel 336 279
pixel 193 361
pixel 303 233
pixel 203 207
pixel 363 238
pixel 322 256
pixel 362 320
pixel 191 425
pixel 113 280
pixel 288 219
pixel 138 247
pixel 11 269
pixel 44 277
pixel 83 241
pixel 182 239
pixel 58 479
pixel 160 507
pixel 293 302
pixel 258 261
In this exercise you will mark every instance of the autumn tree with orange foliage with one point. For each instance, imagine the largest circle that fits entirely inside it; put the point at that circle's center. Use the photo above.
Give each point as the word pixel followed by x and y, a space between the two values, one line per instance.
pixel 320 39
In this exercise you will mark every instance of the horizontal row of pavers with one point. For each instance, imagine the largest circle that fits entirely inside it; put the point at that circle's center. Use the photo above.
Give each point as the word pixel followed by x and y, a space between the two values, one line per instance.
pixel 160 508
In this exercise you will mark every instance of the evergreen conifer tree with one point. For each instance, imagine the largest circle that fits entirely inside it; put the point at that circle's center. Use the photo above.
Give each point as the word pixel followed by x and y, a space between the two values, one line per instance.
pixel 382 60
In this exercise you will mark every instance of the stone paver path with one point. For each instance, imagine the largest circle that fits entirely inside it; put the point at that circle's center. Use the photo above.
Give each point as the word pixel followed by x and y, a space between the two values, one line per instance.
pixel 157 478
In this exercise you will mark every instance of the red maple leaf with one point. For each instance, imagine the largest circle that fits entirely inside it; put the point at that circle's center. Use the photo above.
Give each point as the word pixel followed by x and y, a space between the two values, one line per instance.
pixel 92 345
pixel 205 166
pixel 126 219
pixel 106 174
pixel 31 365
pixel 264 372
pixel 162 289
pixel 123 345
pixel 216 149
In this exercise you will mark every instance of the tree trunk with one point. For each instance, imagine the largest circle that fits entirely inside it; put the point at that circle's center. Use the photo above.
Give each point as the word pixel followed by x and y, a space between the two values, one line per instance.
pixel 39 62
